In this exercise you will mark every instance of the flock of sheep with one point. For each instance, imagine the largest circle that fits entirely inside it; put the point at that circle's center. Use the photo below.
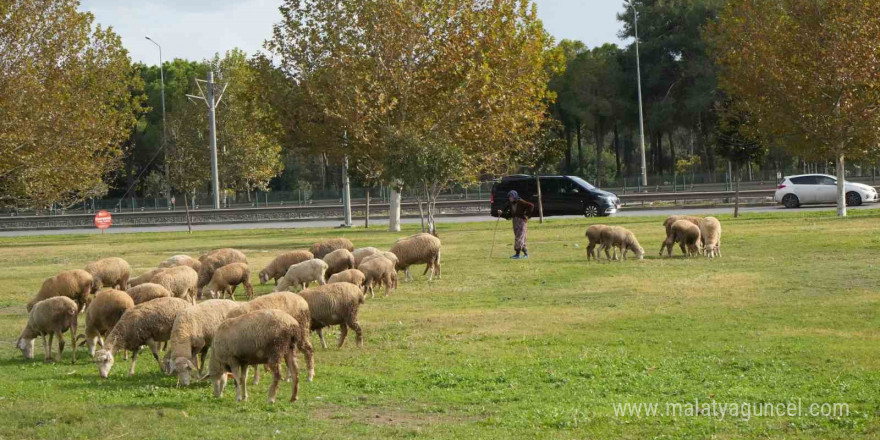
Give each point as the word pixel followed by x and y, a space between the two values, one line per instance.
pixel 694 235
pixel 182 304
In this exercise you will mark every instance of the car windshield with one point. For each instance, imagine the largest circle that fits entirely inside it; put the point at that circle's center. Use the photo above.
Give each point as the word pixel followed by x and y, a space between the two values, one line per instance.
pixel 583 183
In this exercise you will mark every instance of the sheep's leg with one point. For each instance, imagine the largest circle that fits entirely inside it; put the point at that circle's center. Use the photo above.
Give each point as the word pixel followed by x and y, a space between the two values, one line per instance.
pixel 47 348
pixel 358 332
pixel 249 289
pixel 256 376
pixel 407 276
pixel 437 265
pixel 309 353
pixel 321 337
pixel 388 283
pixel 276 378
pixel 607 256
pixel 60 345
pixel 590 249
pixel 293 371
pixel 134 359
pixel 244 375
pixel 203 354
pixel 343 332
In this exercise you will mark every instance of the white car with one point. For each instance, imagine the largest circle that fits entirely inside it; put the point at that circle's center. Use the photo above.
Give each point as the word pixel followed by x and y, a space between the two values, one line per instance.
pixel 805 189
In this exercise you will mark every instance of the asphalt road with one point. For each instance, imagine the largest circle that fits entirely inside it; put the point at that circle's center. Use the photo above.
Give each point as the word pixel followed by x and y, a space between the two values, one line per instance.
pixel 358 222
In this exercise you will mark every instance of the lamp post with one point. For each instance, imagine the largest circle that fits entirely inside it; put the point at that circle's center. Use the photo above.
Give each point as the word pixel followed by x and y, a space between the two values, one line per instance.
pixel 641 113
pixel 164 130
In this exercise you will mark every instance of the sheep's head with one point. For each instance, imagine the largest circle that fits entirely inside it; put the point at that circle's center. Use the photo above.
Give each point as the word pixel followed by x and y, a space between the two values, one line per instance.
pixel 26 346
pixel 640 252
pixel 219 383
pixel 104 361
pixel 97 284
pixel 184 369
pixel 264 277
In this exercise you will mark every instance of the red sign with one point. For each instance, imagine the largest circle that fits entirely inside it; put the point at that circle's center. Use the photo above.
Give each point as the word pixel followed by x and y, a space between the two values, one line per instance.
pixel 103 220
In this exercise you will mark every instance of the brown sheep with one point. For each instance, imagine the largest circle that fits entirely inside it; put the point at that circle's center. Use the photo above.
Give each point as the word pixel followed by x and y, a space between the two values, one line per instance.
pixel 216 259
pixel 143 278
pixel 668 241
pixel 338 260
pixel 181 260
pixel 352 276
pixel 53 317
pixel 180 281
pixel 276 269
pixel 335 304
pixel 322 248
pixel 192 334
pixel 75 284
pixel 105 311
pixel 418 249
pixel 227 278
pixel 593 234
pixel 687 235
pixel 109 272
pixel 378 271
pixel 361 253
pixel 148 292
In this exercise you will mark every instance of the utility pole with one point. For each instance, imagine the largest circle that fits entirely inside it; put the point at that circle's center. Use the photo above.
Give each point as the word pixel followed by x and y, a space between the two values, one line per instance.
pixel 641 113
pixel 212 103
pixel 346 184
pixel 164 129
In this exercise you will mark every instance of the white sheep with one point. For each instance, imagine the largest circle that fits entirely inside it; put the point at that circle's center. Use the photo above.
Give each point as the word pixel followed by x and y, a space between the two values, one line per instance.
pixel 261 337
pixel 192 334
pixel 669 240
pixel 710 234
pixel 338 260
pixel 109 272
pixel 226 279
pixel 687 235
pixel 181 281
pixel 53 317
pixel 300 275
pixel 418 249
pixel 278 266
pixel 105 311
pixel 616 237
pixel 335 304
pixel 148 324
pixel 181 260
pixel 353 276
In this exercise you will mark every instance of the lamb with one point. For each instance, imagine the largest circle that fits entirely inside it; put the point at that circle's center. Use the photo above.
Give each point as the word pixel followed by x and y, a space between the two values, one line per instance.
pixel 361 253
pixel 227 278
pixel 710 234
pixel 352 276
pixel 338 260
pixel 278 267
pixel 302 274
pixel 322 248
pixel 216 259
pixel 593 235
pixel 686 234
pixel 668 241
pixel 181 260
pixel 143 278
pixel 109 272
pixel 334 304
pixel 295 306
pixel 181 281
pixel 104 312
pixel 148 292
pixel 261 337
pixel 149 323
pixel 53 317
pixel 74 284
pixel 617 237
pixel 192 334
pixel 418 249
pixel 378 271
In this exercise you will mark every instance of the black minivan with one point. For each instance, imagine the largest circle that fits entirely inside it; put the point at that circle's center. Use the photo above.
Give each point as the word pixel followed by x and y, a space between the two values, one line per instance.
pixel 562 195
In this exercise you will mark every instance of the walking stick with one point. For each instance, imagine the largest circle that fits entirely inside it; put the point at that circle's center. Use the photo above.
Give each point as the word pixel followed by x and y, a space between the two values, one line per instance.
pixel 492 250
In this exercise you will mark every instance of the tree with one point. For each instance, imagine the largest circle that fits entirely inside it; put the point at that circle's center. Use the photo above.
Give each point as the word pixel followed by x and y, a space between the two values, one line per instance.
pixel 735 143
pixel 464 77
pixel 69 99
pixel 806 72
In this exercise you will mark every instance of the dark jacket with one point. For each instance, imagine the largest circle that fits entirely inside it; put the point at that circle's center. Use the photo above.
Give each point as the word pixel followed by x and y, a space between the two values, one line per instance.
pixel 522 209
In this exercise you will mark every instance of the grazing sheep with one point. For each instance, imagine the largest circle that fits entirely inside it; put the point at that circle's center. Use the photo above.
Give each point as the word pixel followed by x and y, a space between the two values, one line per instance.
pixel 109 272
pixel 105 311
pixel 338 260
pixel 302 274
pixel 710 234
pixel 378 271
pixel 322 248
pixel 149 323
pixel 53 317
pixel 687 235
pixel 180 281
pixel 617 237
pixel 295 306
pixel 335 304
pixel 261 337
pixel 226 279
pixel 181 260
pixel 143 278
pixel 418 249
pixel 352 276
pixel 386 254
pixel 668 241
pixel 216 259
pixel 192 334
pixel 361 253
pixel 278 267
pixel 74 284
pixel 148 292
pixel 593 235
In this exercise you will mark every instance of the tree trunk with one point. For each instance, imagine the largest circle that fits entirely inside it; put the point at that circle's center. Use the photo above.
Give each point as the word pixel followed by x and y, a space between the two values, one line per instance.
pixel 421 214
pixel 394 211
pixel 671 151
pixel 540 199
pixel 841 186
pixel 367 211
pixel 580 146
pixel 568 141
pixel 188 221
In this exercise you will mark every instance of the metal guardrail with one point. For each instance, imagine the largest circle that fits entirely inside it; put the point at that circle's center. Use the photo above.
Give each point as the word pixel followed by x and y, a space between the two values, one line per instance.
pixel 709 195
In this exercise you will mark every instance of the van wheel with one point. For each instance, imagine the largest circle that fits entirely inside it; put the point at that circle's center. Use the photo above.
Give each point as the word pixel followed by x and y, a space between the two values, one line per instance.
pixel 791 201
pixel 591 210
pixel 853 199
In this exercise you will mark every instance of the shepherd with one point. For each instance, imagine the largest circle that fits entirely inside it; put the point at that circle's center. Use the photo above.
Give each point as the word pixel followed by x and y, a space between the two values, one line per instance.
pixel 520 211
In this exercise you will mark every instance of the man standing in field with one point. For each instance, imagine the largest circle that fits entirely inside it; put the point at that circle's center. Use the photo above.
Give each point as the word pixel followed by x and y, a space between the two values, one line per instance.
pixel 520 211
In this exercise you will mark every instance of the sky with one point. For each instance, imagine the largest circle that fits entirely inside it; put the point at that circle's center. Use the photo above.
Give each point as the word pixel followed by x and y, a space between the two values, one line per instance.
pixel 197 29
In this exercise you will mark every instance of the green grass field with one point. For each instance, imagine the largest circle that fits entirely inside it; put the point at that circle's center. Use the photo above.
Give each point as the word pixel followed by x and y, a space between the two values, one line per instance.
pixel 507 349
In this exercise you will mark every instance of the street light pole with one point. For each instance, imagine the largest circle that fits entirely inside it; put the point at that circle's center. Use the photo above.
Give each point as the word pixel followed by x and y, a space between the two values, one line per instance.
pixel 164 129
pixel 641 113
